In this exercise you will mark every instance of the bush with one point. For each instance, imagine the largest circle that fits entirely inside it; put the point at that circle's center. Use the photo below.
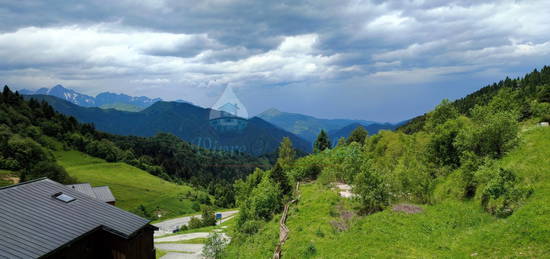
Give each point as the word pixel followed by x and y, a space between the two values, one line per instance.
pixel 142 211
pixel 48 169
pixel 264 200
pixel 250 227
pixel 503 193
pixel 195 206
pixel 492 134
pixel 214 245
pixel 26 151
pixel 208 216
pixel 105 149
pixel 306 168
pixel 371 190
pixel 194 222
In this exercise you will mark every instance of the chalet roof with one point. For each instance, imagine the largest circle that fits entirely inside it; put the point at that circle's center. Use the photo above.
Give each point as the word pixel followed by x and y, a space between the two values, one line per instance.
pixel 85 188
pixel 34 222
pixel 102 192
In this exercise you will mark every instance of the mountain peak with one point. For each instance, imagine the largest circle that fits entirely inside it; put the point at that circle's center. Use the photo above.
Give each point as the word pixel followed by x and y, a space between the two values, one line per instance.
pixel 271 112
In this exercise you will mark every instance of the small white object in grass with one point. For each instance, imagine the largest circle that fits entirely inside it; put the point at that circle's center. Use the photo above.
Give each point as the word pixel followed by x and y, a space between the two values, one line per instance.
pixel 544 124
pixel 345 190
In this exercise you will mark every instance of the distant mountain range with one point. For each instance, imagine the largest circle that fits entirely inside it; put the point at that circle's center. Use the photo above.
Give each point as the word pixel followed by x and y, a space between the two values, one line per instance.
pixel 105 100
pixel 142 116
pixel 187 121
pixel 308 127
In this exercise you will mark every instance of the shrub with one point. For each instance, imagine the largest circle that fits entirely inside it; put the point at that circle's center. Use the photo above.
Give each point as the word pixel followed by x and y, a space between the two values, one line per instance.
pixel 196 206
pixel 214 245
pixel 183 228
pixel 503 193
pixel 50 170
pixel 194 222
pixel 26 151
pixel 372 192
pixel 143 212
pixel 250 227
pixel 492 134
pixel 264 200
pixel 306 168
pixel 208 216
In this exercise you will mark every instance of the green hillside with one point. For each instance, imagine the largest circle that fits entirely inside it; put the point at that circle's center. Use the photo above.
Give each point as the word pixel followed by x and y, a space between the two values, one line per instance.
pixel 131 186
pixel 450 229
pixel 470 179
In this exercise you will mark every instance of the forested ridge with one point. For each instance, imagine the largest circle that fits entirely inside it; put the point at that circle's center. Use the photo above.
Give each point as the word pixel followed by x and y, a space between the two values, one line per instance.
pixel 530 87
pixel 30 130
pixel 189 122
pixel 450 154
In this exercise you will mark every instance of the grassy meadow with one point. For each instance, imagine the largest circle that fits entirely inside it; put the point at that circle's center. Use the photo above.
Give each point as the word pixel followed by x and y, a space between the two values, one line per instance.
pixel 323 225
pixel 131 186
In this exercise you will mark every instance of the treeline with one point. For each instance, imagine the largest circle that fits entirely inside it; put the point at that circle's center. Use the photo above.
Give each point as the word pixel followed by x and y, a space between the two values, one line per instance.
pixel 29 130
pixel 263 193
pixel 168 156
pixel 533 86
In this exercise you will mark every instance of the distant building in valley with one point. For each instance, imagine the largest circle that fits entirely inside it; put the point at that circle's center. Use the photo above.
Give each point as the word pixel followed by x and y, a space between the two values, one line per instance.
pixel 46 219
pixel 102 193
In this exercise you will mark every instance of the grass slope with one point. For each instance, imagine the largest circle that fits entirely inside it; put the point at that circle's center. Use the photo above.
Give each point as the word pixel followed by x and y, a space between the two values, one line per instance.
pixel 451 229
pixel 131 186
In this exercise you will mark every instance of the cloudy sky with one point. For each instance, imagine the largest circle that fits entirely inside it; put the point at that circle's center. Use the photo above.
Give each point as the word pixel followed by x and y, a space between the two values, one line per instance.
pixel 375 60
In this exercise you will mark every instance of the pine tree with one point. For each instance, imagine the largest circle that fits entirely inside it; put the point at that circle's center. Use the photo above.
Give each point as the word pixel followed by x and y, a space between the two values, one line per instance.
pixel 286 153
pixel 322 142
pixel 279 176
pixel 358 135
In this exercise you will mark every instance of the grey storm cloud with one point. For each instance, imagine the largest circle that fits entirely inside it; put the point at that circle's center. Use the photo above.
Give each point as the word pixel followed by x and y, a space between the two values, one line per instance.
pixel 321 49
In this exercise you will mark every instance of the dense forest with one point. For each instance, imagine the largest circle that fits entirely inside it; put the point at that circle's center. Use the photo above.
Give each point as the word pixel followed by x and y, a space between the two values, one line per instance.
pixel 449 153
pixel 30 129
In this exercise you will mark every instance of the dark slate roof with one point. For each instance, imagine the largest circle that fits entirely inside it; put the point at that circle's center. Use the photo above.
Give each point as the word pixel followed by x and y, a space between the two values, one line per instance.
pixel 85 188
pixel 33 223
pixel 104 193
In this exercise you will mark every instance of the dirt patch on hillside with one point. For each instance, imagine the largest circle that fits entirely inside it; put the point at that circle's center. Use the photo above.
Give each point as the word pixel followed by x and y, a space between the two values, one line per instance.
pixel 407 208
pixel 12 179
pixel 344 190
pixel 344 218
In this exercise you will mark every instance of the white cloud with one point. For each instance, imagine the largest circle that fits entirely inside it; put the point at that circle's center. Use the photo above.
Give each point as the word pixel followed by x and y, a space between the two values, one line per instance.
pixel 181 46
pixel 113 51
